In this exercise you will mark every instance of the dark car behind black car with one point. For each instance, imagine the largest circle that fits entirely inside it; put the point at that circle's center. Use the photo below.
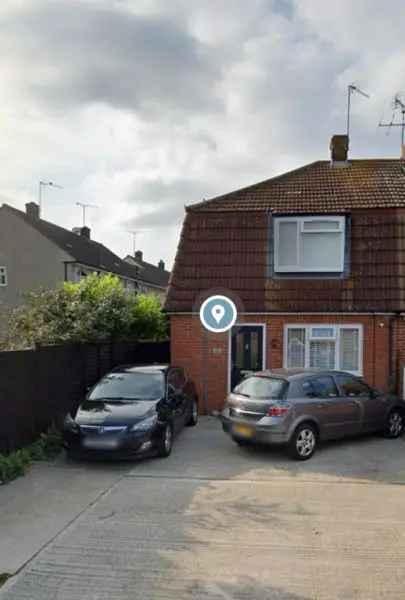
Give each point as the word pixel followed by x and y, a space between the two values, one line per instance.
pixel 130 411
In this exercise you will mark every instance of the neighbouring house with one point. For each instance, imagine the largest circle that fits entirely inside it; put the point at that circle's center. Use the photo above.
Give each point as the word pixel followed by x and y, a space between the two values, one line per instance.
pixel 35 254
pixel 315 262
pixel 155 279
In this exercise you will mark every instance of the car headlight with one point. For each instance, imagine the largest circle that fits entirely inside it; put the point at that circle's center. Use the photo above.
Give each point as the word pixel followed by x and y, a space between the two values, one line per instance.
pixel 70 424
pixel 145 424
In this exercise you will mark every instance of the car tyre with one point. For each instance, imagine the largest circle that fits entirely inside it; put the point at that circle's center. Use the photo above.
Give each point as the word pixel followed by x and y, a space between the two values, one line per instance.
pixel 193 420
pixel 303 442
pixel 394 425
pixel 242 443
pixel 72 455
pixel 165 443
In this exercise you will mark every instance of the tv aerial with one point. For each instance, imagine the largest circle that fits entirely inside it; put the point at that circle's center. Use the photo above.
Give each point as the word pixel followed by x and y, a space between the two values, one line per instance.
pixel 397 105
pixel 83 206
pixel 351 89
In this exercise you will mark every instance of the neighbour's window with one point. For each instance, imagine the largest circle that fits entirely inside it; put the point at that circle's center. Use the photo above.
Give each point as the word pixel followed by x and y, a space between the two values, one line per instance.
pixel 320 387
pixel 3 276
pixel 309 244
pixel 324 347
pixel 261 387
pixel 350 386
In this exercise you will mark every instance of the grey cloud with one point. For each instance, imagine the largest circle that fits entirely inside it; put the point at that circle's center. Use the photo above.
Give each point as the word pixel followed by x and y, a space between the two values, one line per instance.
pixel 70 54
pixel 163 203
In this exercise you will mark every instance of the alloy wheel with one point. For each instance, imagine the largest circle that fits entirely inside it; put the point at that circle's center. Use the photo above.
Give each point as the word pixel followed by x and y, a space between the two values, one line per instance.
pixel 168 438
pixel 305 442
pixel 395 424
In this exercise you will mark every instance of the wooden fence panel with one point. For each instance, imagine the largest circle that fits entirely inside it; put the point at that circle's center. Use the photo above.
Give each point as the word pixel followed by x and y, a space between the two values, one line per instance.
pixel 38 387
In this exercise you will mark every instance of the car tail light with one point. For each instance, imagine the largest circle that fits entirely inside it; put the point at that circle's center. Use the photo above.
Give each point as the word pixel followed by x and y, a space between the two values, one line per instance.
pixel 278 410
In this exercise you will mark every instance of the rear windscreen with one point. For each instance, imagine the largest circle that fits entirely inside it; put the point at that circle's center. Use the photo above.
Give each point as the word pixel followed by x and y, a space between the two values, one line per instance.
pixel 261 387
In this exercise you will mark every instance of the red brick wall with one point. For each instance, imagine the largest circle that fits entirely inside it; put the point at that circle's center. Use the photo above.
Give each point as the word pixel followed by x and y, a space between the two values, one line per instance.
pixel 206 354
pixel 399 345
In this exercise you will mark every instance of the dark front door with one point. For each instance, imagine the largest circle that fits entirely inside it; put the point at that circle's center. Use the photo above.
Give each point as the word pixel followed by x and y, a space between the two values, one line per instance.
pixel 246 351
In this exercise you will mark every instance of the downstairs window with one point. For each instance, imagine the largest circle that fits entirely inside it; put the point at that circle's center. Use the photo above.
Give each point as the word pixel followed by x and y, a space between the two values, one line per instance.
pixel 324 347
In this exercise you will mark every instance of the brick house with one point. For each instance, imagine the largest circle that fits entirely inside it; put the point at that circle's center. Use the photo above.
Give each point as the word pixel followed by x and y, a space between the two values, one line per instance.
pixel 314 260
pixel 37 254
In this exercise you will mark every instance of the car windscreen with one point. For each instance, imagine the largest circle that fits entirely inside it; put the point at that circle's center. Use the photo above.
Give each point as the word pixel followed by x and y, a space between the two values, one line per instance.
pixel 261 387
pixel 129 386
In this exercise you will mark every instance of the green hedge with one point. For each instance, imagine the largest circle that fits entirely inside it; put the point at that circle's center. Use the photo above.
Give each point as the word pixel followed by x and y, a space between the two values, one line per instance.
pixel 16 463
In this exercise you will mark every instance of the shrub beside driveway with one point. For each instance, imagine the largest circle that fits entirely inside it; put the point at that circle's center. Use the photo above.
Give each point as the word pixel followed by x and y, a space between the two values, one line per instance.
pixel 16 463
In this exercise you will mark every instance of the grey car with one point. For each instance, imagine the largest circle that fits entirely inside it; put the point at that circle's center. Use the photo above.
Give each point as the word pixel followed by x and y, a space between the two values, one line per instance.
pixel 301 407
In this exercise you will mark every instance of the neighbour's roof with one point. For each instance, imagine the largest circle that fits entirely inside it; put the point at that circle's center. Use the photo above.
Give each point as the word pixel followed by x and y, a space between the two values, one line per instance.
pixel 150 273
pixel 320 187
pixel 86 251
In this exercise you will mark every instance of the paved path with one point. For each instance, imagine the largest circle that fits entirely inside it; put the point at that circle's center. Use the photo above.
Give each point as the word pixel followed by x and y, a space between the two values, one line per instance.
pixel 219 522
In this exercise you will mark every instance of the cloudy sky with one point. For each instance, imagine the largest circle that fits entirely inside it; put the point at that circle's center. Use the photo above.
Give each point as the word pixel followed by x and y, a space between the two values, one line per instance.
pixel 143 106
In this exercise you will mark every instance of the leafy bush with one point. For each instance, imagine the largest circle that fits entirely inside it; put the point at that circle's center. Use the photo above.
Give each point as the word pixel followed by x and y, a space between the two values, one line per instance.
pixel 94 310
pixel 16 463
pixel 4 577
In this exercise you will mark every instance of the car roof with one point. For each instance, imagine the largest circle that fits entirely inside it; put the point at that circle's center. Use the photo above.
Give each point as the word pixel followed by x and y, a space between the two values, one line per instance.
pixel 148 368
pixel 296 374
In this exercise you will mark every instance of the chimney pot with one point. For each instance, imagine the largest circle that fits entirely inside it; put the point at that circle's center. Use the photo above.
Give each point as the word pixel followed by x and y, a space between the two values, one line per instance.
pixel 161 265
pixel 139 255
pixel 339 147
pixel 85 232
pixel 32 210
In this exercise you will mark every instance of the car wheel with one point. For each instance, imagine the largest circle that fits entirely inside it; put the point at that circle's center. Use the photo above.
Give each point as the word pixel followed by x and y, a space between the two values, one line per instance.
pixel 303 442
pixel 193 420
pixel 394 425
pixel 72 455
pixel 165 444
pixel 242 442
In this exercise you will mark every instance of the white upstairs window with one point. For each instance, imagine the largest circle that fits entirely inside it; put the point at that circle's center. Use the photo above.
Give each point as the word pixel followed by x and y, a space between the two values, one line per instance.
pixel 309 244
pixel 324 347
pixel 3 276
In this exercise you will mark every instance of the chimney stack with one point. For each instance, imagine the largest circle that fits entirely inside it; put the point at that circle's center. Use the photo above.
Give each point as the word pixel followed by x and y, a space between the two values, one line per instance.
pixel 339 147
pixel 32 210
pixel 161 265
pixel 83 231
pixel 403 151
pixel 139 255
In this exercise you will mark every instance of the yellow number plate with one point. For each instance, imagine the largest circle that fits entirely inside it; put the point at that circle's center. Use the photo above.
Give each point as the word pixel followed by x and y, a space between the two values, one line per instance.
pixel 243 430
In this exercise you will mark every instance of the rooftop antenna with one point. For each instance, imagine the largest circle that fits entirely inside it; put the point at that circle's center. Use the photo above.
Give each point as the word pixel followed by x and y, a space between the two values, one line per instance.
pixel 397 104
pixel 351 88
pixel 134 233
pixel 84 206
pixel 41 185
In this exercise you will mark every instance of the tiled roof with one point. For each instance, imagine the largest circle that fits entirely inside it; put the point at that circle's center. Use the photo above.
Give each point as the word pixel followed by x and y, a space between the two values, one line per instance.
pixel 321 187
pixel 86 251
pixel 150 273
pixel 226 243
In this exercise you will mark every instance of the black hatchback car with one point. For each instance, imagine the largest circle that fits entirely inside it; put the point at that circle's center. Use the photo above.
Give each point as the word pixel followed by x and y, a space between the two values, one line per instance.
pixel 132 410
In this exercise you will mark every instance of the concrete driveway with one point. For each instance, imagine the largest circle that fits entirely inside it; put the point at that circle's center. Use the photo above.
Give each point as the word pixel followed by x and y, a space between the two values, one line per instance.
pixel 220 522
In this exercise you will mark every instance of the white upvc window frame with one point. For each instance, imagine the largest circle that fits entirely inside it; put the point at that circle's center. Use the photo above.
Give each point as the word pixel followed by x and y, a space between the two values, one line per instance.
pixel 297 268
pixel 3 276
pixel 310 338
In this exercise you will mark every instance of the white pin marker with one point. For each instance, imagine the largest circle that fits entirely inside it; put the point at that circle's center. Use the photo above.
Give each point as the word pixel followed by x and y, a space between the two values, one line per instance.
pixel 218 312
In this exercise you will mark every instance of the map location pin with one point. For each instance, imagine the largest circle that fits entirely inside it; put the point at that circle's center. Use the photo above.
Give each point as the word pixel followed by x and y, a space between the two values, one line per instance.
pixel 218 312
